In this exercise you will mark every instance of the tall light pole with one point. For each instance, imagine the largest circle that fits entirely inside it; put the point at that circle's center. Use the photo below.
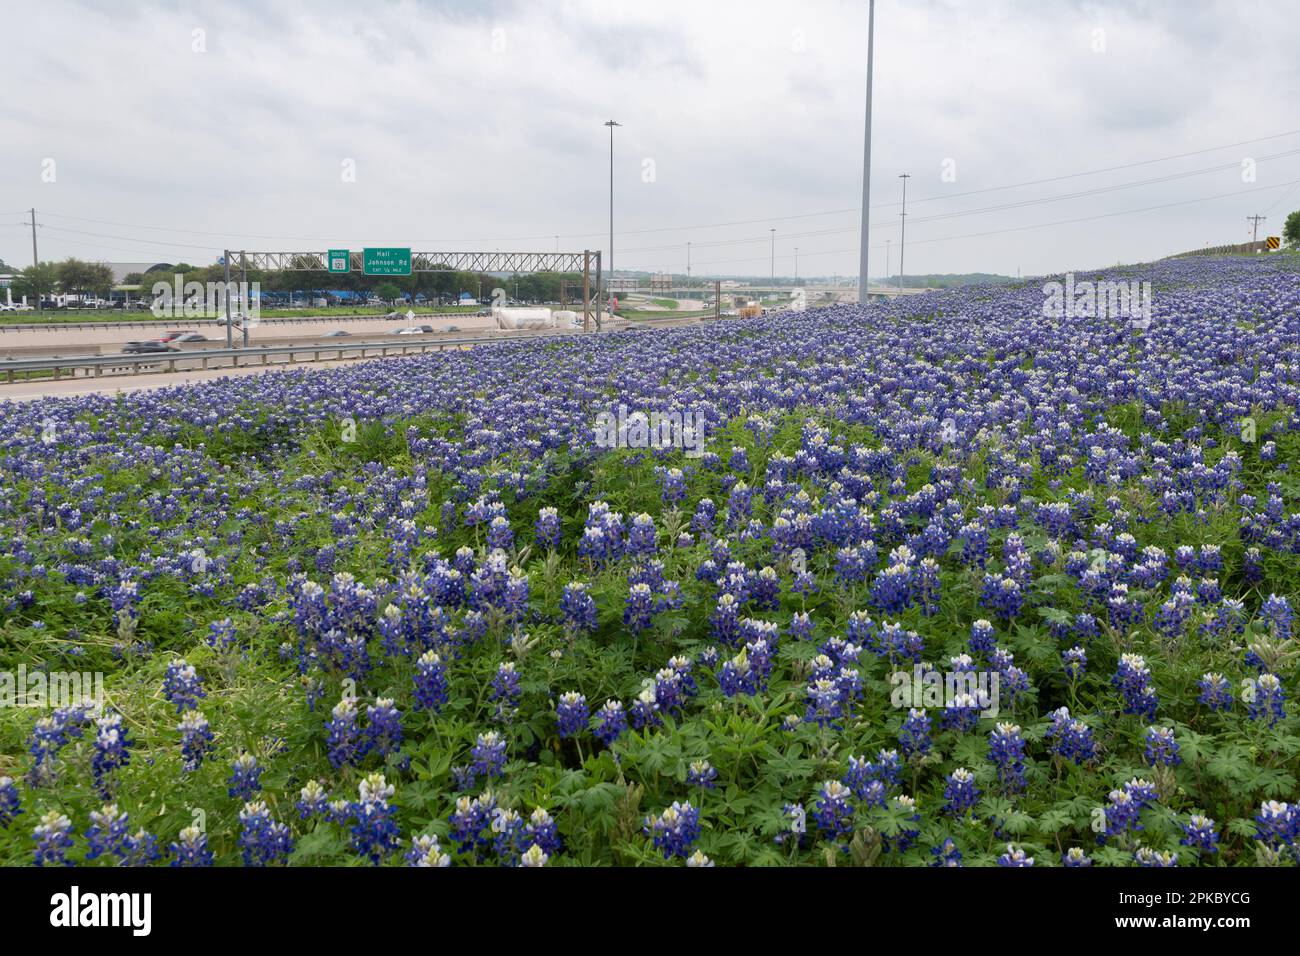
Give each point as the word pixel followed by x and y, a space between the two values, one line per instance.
pixel 887 241
pixel 902 236
pixel 609 282
pixel 864 244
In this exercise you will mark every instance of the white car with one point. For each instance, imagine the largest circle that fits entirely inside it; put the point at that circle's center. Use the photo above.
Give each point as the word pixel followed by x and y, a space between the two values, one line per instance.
pixel 414 330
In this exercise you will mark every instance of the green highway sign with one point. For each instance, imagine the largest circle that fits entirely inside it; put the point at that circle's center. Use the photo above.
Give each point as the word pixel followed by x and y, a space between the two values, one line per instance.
pixel 387 262
pixel 338 260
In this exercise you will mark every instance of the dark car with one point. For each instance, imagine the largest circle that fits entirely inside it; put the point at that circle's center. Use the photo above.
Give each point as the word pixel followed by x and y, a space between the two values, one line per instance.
pixel 137 348
pixel 337 333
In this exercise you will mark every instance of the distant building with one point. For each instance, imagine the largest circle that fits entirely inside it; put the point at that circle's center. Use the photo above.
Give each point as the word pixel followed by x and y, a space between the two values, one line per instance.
pixel 123 269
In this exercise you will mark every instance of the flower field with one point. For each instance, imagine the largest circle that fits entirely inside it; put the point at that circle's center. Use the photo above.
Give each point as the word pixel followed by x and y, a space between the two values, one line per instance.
pixel 951 584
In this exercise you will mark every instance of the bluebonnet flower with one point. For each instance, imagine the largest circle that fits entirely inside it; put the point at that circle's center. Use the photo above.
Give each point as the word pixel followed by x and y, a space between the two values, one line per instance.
pixel 430 682
pixel 1161 747
pixel 112 750
pixel 927 586
pixel 639 609
pixel 960 794
pixel 261 839
pixel 833 810
pixel 183 686
pixel 1277 824
pixel 534 857
pixel 1015 857
pixel 245 778
pixel 383 727
pixel 611 721
pixel 542 831
pixel 1146 856
pixel 546 531
pixel 196 739
pixel 506 691
pixel 425 852
pixel 1075 857
pixel 571 714
pixel 1002 594
pixel 801 626
pixel 673 831
pixel 1216 691
pixel 702 774
pixel 374 830
pixel 108 833
pixel 499 535
pixel 53 839
pixel 645 709
pixel 10 805
pixel 489 753
pixel 344 743
pixel 1007 751
pixel 891 591
pixel 961 713
pixel 1265 698
pixel 946 854
pixel 578 608
pixel 49 735
pixel 222 634
pixel 1277 612
pixel 698 859
pixel 1071 739
pixel 1199 833
pixel 914 735
pixel 982 639
pixel 191 848
pixel 641 537
pixel 1075 661
pixel 312 800
pixel 1133 678
pixel 470 819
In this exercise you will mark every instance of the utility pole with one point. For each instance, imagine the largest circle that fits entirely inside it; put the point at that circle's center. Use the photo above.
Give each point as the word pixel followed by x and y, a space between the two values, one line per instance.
pixel 1254 236
pixel 230 332
pixel 864 244
pixel 610 281
pixel 36 261
pixel 902 237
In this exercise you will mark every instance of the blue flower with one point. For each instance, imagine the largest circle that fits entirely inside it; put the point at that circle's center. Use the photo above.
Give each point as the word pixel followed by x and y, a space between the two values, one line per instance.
pixel 112 751
pixel 183 686
pixel 960 794
pixel 489 753
pixel 383 727
pixel 53 839
pixel 611 721
pixel 1015 857
pixel 425 852
pixel 245 778
pixel 833 810
pixel 1216 691
pixel 10 805
pixel 1075 857
pixel 1007 751
pixel 1161 747
pixel 191 848
pixel 374 830
pixel 578 608
pixel 673 831
pixel 261 839
pixel 343 742
pixel 196 739
pixel 946 854
pixel 571 714
pixel 1133 678
pixel 1265 699
pixel 430 679
pixel 914 735
pixel 1199 833
pixel 701 774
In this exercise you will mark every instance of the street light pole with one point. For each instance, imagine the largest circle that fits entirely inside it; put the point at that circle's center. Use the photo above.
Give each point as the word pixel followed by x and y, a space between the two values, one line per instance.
pixel 902 237
pixel 609 282
pixel 864 244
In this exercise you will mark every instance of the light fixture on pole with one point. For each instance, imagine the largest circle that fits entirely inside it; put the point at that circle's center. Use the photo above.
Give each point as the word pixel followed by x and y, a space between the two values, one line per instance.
pixel 609 282
pixel 863 244
pixel 902 236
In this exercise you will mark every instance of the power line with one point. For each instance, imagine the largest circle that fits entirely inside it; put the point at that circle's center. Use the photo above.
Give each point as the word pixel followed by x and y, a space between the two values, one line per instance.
pixel 743 222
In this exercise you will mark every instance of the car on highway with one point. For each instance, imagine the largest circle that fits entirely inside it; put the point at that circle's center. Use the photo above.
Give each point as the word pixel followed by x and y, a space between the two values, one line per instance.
pixel 337 333
pixel 191 337
pixel 142 348
pixel 171 336
pixel 413 330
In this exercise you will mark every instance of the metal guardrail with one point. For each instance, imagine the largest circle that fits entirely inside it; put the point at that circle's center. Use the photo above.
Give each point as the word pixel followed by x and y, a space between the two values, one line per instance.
pixel 181 322
pixel 96 366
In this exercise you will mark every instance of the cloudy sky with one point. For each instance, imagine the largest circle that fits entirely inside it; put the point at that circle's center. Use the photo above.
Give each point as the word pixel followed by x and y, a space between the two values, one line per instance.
pixel 1127 130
